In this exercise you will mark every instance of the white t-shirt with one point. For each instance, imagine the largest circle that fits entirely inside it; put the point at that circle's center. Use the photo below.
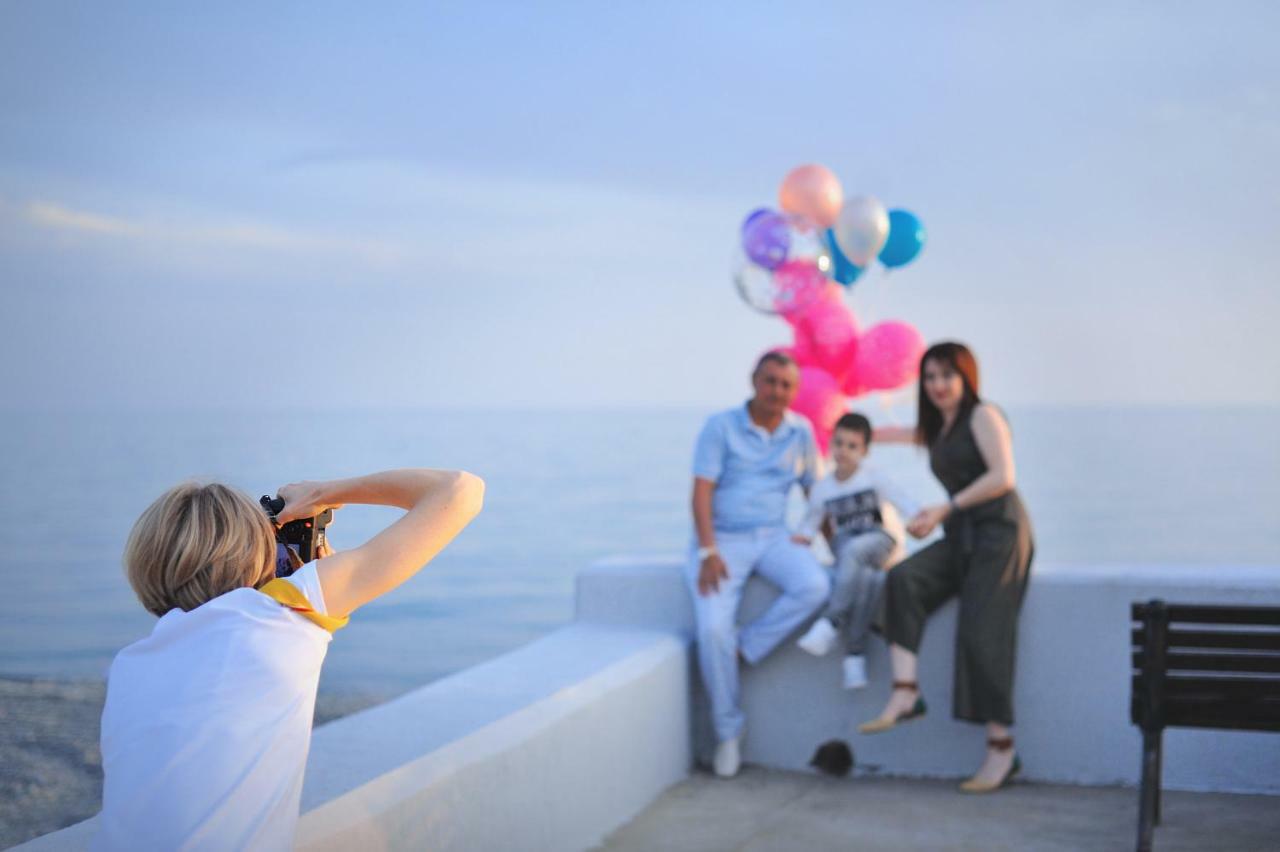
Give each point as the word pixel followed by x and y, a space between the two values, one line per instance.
pixel 857 505
pixel 207 725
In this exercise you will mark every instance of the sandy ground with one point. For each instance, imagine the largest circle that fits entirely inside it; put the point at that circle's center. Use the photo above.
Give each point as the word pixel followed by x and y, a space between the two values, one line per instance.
pixel 50 766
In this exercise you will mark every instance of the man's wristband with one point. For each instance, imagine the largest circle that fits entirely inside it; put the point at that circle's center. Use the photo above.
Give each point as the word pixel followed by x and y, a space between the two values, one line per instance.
pixel 704 552
pixel 952 504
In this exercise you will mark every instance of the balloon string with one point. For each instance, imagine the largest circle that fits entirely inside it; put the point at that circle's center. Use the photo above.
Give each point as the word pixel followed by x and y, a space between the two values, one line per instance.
pixel 867 302
pixel 870 296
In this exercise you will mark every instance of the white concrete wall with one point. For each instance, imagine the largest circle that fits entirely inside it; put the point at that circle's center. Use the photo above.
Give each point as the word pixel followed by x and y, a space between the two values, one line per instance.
pixel 1072 685
pixel 549 747
pixel 556 744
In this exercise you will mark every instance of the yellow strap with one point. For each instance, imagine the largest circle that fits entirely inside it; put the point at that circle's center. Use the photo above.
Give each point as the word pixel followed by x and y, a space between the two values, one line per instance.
pixel 289 595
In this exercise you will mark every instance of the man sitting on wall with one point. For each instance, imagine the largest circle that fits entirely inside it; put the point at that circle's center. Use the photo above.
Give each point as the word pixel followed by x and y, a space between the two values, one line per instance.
pixel 746 461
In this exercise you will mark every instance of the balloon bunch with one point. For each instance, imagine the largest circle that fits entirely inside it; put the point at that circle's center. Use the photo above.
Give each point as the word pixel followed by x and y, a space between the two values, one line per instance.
pixel 797 262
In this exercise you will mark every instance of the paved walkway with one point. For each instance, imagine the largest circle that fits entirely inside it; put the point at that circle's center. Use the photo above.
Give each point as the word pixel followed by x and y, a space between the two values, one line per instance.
pixel 769 811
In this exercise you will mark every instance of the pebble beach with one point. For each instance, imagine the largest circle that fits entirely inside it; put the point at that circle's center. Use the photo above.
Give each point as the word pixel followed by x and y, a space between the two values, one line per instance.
pixel 50 765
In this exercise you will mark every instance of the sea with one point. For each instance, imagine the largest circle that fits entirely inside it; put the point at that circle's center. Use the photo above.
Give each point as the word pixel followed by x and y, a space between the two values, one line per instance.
pixel 1142 487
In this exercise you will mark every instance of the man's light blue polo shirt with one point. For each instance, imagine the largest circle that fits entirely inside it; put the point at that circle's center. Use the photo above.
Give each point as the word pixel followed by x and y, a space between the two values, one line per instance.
pixel 753 469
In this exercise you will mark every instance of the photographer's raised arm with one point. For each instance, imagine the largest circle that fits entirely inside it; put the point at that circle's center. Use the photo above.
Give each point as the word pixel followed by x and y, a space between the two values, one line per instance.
pixel 439 503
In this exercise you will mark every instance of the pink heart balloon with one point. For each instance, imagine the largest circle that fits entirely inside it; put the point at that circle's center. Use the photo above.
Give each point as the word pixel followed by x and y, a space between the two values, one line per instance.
pixel 798 352
pixel 798 285
pixel 888 357
pixel 819 399
pixel 829 330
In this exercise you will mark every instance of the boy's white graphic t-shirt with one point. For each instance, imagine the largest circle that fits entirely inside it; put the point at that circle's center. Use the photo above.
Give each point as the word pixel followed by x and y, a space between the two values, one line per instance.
pixel 207 725
pixel 857 505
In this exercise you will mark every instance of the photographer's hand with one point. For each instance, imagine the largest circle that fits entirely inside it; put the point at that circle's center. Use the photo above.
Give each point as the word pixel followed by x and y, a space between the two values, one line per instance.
pixel 439 504
pixel 323 547
pixel 304 500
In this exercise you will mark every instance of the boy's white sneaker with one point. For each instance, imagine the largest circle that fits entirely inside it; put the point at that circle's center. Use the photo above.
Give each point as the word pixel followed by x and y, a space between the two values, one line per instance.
pixel 855 672
pixel 727 759
pixel 820 638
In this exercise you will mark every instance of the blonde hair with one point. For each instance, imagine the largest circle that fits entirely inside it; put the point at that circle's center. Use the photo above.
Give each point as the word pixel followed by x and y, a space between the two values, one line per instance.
pixel 197 542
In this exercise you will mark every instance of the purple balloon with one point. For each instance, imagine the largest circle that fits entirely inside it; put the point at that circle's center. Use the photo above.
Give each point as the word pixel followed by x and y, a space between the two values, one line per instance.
pixel 754 215
pixel 766 238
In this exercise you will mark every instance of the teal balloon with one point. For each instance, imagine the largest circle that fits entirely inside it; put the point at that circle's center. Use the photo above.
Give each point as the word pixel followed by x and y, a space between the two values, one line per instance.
pixel 843 270
pixel 906 239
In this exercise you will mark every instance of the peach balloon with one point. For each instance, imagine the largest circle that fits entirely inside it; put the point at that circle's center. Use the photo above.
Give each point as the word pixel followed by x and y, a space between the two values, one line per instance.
pixel 813 192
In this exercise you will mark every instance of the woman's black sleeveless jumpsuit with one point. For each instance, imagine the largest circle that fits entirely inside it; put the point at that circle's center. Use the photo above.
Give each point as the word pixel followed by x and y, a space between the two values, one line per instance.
pixel 985 558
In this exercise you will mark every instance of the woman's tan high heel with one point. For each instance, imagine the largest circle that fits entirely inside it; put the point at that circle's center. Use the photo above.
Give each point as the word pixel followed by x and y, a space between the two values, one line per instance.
pixel 879 726
pixel 975 786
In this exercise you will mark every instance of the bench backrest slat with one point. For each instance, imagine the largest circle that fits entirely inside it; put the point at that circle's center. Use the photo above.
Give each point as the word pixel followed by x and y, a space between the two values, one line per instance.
pixel 1181 661
pixel 1205 666
pixel 1244 640
pixel 1189 614
pixel 1220 716
pixel 1218 687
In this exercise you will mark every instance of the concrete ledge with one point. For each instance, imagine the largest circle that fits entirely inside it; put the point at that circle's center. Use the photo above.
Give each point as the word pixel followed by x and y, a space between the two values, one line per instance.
pixel 635 591
pixel 1072 693
pixel 549 747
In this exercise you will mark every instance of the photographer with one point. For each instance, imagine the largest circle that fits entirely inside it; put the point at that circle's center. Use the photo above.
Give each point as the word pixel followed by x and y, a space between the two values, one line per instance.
pixel 207 721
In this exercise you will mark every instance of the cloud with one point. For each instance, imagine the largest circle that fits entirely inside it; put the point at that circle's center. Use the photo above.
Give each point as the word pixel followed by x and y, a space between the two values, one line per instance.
pixel 400 220
pixel 232 234
pixel 55 216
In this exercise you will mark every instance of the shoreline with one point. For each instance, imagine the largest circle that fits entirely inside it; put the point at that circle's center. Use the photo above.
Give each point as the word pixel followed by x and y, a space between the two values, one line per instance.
pixel 50 765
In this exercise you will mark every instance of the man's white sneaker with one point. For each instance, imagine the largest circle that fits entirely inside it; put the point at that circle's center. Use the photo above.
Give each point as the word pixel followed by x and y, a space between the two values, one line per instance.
pixel 855 672
pixel 727 759
pixel 820 638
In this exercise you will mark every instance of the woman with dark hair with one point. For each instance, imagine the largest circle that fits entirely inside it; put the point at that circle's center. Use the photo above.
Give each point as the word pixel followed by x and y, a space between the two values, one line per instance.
pixel 984 558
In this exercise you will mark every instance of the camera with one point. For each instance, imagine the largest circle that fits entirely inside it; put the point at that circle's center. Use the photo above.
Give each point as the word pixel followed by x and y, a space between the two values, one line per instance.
pixel 296 541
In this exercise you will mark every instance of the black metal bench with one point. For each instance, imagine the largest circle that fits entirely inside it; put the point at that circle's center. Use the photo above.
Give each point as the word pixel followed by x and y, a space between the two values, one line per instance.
pixel 1199 667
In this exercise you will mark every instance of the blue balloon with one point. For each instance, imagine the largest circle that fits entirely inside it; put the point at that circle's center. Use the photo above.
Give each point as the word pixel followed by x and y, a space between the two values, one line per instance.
pixel 906 239
pixel 842 269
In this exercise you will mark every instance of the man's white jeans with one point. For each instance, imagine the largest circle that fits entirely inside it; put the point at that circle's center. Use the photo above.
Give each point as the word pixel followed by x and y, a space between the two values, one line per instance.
pixel 789 566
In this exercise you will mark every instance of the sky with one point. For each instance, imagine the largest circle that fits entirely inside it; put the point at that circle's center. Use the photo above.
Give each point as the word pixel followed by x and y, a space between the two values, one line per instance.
pixel 535 204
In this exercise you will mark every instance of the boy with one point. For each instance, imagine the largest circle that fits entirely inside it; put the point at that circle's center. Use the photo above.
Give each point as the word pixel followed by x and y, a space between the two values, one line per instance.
pixel 850 499
pixel 207 721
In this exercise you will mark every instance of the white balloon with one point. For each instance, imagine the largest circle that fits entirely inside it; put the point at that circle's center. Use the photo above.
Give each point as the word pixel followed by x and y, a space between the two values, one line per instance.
pixel 862 229
pixel 789 288
pixel 755 283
